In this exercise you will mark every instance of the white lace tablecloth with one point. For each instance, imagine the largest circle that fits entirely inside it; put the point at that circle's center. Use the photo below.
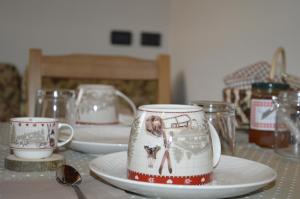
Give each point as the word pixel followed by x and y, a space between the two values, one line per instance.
pixel 34 185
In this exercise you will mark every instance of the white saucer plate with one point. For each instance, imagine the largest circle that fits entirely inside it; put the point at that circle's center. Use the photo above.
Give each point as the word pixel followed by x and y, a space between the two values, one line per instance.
pixel 100 139
pixel 232 177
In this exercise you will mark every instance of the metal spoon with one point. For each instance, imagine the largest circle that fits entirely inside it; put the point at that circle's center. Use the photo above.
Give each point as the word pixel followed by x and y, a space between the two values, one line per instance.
pixel 67 175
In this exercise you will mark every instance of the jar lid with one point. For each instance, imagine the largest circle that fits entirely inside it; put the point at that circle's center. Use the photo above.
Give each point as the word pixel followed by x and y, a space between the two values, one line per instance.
pixel 270 85
pixel 289 97
pixel 215 106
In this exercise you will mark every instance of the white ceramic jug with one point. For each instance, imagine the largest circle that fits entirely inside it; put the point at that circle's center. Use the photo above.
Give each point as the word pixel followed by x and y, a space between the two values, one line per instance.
pixel 172 144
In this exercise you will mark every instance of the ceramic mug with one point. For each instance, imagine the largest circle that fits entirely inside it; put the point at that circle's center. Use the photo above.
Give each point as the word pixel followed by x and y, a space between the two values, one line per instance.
pixel 36 137
pixel 172 144
pixel 97 104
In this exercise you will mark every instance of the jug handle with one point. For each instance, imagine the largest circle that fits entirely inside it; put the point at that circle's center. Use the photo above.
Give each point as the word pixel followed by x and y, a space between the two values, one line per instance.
pixel 80 92
pixel 216 144
pixel 129 101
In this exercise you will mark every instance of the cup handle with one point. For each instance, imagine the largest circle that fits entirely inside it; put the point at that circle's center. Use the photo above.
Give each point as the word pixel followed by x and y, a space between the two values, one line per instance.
pixel 216 144
pixel 129 101
pixel 60 125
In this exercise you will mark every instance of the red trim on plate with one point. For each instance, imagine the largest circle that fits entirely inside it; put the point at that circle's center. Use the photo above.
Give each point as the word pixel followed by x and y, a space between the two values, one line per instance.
pixel 96 123
pixel 31 122
pixel 150 111
pixel 19 148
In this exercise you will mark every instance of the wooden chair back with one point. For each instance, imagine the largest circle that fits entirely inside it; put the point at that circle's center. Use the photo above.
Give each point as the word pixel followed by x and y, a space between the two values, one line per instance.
pixel 90 66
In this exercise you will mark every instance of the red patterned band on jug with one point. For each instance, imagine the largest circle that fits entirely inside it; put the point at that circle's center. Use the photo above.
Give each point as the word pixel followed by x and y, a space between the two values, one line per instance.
pixel 179 180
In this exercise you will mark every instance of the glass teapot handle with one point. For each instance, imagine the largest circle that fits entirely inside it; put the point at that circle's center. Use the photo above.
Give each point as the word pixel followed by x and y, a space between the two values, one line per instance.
pixel 216 144
pixel 128 100
pixel 79 96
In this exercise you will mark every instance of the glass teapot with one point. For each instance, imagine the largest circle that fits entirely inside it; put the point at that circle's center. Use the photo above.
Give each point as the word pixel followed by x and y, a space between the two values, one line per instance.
pixel 96 104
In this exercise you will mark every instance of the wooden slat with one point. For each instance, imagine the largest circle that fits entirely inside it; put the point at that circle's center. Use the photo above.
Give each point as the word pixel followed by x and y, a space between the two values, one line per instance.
pixel 164 88
pixel 92 59
pixel 85 66
pixel 106 71
pixel 34 78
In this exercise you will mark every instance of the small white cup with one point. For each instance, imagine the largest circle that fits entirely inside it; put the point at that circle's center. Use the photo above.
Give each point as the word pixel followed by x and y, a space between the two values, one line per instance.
pixel 36 137
pixel 97 104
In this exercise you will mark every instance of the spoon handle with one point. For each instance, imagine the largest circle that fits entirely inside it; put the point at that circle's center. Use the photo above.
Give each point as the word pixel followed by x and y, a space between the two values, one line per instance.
pixel 79 193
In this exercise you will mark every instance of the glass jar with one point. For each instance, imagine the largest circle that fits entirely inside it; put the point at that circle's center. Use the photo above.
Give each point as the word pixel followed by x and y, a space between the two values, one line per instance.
pixel 287 131
pixel 58 104
pixel 221 115
pixel 262 113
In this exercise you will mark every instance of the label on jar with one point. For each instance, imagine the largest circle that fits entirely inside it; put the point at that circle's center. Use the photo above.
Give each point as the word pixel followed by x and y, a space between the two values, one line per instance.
pixel 258 107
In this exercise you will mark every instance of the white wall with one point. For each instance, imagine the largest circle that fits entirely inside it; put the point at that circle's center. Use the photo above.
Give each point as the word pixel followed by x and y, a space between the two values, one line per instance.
pixel 68 26
pixel 211 38
pixel 206 38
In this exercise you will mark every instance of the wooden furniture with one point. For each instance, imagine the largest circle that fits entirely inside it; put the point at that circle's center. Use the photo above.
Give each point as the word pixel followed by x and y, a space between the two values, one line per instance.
pixel 97 67
pixel 10 96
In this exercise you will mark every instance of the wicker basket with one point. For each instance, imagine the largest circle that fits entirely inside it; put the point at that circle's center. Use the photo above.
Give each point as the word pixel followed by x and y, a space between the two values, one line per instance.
pixel 238 84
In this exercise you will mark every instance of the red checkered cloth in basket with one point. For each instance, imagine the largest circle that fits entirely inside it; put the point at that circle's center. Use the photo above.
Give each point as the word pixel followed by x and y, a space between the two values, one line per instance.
pixel 244 77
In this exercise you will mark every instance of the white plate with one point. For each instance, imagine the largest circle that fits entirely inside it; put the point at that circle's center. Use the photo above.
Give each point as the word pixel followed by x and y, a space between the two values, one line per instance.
pixel 233 177
pixel 102 139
